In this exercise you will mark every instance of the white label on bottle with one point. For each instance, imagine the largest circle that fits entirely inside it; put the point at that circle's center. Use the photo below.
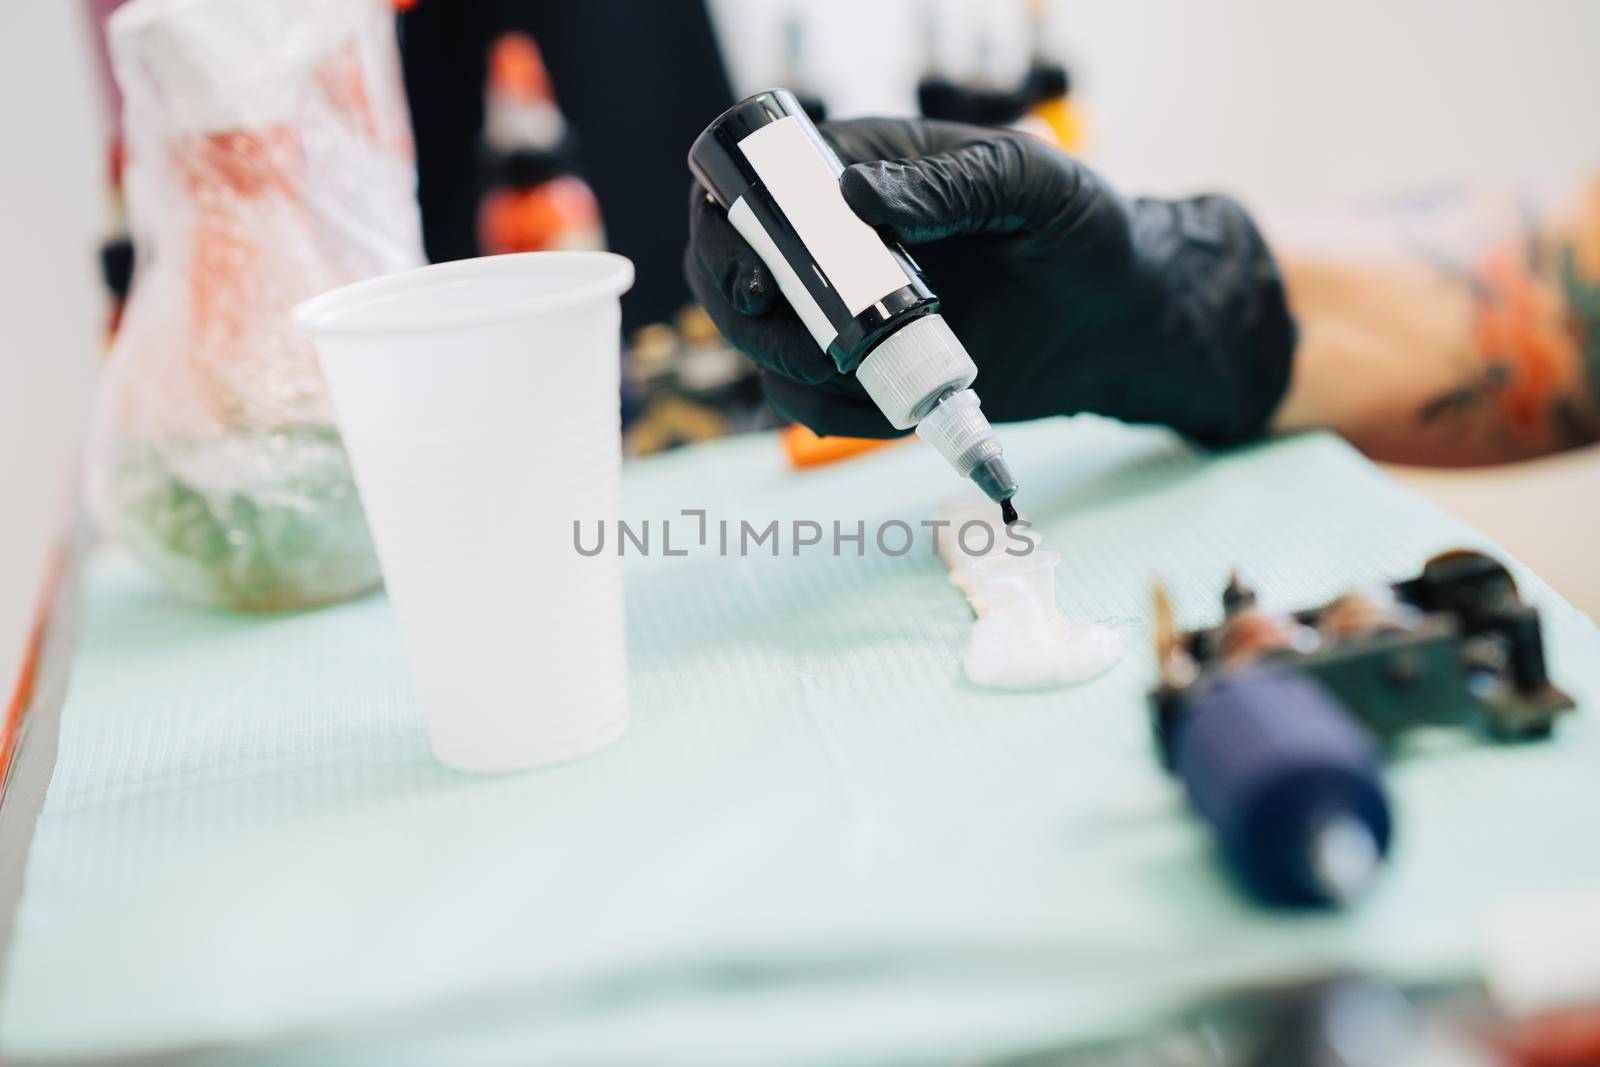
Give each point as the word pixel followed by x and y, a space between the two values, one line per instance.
pixel 850 252
pixel 744 220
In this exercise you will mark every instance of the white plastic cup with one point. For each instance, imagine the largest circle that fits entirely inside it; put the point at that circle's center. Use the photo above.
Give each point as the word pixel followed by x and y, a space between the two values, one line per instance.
pixel 478 401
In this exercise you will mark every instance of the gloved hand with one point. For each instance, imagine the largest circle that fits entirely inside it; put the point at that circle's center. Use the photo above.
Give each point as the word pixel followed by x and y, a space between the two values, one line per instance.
pixel 1069 297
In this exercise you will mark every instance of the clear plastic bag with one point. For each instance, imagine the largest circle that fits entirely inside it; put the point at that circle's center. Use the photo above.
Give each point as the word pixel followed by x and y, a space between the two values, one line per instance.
pixel 269 159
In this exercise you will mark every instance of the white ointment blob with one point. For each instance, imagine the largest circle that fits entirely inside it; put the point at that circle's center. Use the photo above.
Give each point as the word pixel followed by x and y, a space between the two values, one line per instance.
pixel 1021 640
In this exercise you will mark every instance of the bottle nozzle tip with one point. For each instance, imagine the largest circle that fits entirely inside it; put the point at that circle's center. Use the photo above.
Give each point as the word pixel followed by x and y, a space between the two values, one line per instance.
pixel 994 477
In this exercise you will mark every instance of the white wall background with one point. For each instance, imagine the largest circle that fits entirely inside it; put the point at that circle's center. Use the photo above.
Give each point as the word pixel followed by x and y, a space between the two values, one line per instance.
pixel 1285 102
pixel 1288 102
pixel 51 312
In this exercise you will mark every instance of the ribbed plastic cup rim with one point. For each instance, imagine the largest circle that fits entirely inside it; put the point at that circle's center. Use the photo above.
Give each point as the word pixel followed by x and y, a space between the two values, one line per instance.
pixel 346 311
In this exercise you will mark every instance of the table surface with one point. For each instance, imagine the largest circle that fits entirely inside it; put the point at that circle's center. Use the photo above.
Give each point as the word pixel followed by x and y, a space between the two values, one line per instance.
pixel 817 844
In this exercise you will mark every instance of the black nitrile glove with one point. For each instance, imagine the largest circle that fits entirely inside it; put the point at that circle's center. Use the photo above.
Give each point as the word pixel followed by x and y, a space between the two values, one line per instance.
pixel 1069 297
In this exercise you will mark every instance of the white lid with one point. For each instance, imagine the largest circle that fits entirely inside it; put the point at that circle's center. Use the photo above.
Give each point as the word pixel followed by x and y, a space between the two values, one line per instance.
pixel 217 65
pixel 912 368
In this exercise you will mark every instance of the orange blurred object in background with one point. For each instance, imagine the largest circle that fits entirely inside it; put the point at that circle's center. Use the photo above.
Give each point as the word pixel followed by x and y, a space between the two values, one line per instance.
pixel 806 449
pixel 560 213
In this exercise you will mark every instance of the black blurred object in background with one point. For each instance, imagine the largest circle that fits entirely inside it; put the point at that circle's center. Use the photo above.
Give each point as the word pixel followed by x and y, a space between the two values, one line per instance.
pixel 942 98
pixel 637 80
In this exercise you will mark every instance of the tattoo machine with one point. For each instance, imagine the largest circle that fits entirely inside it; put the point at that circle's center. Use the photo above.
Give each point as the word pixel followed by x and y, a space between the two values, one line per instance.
pixel 1274 721
pixel 860 295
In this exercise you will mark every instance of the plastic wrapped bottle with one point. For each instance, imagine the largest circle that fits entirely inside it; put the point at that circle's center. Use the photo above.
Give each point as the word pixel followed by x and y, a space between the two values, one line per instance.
pixel 269 160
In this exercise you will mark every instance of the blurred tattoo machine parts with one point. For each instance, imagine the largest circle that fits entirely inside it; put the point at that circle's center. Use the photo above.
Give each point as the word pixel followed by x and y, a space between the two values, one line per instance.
pixel 1275 721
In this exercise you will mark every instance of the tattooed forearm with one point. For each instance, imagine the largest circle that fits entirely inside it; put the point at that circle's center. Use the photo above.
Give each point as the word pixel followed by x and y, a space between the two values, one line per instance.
pixel 1535 332
pixel 1462 331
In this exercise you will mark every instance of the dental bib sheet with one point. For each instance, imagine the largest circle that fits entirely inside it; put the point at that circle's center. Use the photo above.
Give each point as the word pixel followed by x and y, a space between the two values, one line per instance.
pixel 819 843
